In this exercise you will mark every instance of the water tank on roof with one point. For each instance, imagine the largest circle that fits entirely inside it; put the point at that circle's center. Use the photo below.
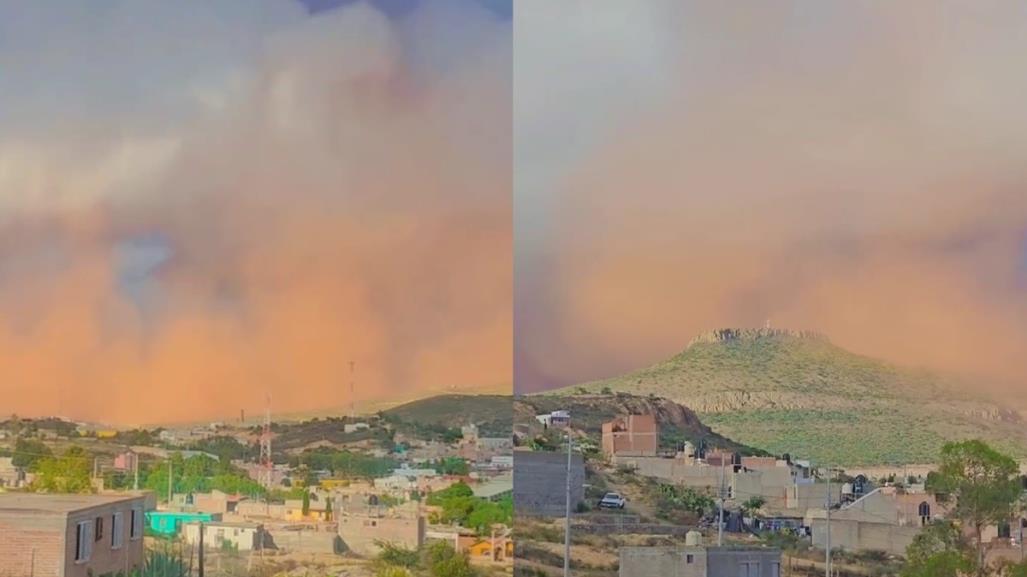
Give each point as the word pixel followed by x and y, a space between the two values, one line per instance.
pixel 693 539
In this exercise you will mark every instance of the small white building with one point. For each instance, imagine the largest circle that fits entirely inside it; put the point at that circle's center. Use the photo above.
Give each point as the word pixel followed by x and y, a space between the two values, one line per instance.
pixel 240 536
pixel 554 419
pixel 408 471
pixel 354 427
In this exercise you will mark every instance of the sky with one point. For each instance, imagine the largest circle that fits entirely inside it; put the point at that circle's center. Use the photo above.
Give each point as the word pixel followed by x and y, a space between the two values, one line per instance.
pixel 206 203
pixel 856 168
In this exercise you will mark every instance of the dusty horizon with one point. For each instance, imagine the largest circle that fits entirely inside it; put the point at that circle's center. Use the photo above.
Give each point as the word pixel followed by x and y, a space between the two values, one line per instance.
pixel 246 197
pixel 853 169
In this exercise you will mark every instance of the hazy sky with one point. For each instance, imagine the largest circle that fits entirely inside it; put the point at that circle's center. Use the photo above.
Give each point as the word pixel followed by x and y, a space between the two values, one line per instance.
pixel 202 202
pixel 858 168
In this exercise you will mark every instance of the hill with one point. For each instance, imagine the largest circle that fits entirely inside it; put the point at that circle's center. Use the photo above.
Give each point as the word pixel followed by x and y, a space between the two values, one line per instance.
pixel 797 393
pixel 492 413
pixel 588 413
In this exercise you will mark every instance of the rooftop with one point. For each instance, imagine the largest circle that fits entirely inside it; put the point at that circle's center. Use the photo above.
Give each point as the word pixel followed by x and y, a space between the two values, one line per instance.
pixel 42 503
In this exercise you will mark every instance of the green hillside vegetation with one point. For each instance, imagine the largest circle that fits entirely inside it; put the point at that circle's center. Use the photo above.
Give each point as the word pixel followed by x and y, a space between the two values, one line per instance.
pixel 794 393
pixel 492 414
pixel 677 424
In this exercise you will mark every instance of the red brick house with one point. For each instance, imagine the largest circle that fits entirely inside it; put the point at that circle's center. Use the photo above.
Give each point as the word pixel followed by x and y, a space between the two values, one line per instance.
pixel 631 435
pixel 70 535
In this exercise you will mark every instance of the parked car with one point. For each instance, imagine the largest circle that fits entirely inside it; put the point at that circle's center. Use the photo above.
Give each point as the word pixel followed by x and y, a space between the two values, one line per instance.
pixel 611 501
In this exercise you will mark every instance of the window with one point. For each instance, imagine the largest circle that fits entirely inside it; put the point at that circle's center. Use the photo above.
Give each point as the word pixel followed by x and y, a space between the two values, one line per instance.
pixel 117 531
pixel 775 570
pixel 137 523
pixel 83 541
pixel 689 558
pixel 1003 531
pixel 924 510
pixel 98 533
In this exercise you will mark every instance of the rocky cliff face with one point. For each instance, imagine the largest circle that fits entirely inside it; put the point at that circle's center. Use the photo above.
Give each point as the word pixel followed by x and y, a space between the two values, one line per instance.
pixel 728 335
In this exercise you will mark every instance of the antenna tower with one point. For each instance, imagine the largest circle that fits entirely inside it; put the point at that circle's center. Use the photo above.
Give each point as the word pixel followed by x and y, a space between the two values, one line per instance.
pixel 352 394
pixel 266 466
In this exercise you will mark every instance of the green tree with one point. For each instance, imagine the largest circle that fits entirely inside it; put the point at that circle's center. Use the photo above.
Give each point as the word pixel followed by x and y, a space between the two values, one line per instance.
pixel 69 473
pixel 753 504
pixel 397 556
pixel 306 503
pixel 442 560
pixel 984 485
pixel 28 452
pixel 940 550
pixel 328 508
pixel 1016 570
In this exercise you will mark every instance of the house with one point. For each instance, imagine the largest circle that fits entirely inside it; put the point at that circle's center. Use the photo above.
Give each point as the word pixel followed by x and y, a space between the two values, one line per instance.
pixel 10 475
pixel 217 502
pixel 318 508
pixel 886 519
pixel 170 522
pixel 501 462
pixel 494 489
pixel 126 461
pixel 354 427
pixel 699 561
pixel 407 471
pixel 540 479
pixel 631 435
pixel 70 535
pixel 557 419
pixel 718 458
pixel 497 548
pixel 364 534
pixel 216 534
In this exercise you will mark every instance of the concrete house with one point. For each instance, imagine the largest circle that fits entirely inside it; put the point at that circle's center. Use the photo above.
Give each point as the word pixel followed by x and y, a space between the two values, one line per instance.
pixel 631 435
pixel 70 535
pixel 540 479
pixel 238 535
pixel 883 520
pixel 362 533
pixel 699 561
pixel 10 475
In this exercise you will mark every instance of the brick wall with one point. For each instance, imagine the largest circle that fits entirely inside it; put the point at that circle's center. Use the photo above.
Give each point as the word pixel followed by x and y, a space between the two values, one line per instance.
pixel 31 547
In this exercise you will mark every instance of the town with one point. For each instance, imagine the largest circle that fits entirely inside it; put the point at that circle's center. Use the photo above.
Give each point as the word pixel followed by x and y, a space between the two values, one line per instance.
pixel 380 494
pixel 641 499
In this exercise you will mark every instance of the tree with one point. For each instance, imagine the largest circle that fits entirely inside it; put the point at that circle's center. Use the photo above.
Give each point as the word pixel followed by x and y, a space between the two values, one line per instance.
pixel 442 560
pixel 306 503
pixel 66 474
pixel 940 550
pixel 328 508
pixel 28 452
pixel 984 485
pixel 753 504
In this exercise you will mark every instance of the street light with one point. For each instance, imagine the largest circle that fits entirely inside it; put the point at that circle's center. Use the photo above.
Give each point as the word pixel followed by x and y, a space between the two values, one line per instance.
pixel 567 523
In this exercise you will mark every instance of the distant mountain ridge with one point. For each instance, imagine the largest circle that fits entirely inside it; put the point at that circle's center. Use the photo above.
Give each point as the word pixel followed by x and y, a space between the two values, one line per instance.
pixel 796 392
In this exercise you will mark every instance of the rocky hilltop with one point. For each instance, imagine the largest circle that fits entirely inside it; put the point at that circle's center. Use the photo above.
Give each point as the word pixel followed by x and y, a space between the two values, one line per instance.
pixel 796 392
pixel 729 335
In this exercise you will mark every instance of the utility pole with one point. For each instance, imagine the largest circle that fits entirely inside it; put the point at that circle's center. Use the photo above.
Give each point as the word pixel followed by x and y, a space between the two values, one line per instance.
pixel 720 523
pixel 200 553
pixel 170 477
pixel 567 525
pixel 827 528
pixel 135 472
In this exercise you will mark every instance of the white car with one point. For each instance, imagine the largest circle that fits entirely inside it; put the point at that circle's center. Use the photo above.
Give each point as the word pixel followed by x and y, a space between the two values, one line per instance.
pixel 611 501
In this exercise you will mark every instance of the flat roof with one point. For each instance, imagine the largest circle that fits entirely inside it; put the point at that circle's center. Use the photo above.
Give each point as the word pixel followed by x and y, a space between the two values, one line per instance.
pixel 57 504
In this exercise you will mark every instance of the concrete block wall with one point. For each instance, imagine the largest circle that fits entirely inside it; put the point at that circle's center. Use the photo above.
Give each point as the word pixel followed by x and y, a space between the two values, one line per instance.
pixel 540 480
